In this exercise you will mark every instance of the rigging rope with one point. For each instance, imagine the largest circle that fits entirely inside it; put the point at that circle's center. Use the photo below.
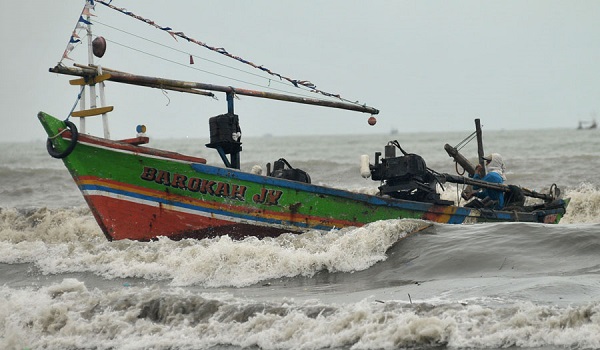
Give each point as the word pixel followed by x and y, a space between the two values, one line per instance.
pixel 74 38
pixel 187 53
pixel 198 69
pixel 456 168
pixel 466 140
pixel 459 146
pixel 223 51
pixel 76 101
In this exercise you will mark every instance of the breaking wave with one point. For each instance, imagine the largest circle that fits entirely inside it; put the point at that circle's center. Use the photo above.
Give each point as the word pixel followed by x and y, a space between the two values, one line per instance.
pixel 68 315
pixel 69 241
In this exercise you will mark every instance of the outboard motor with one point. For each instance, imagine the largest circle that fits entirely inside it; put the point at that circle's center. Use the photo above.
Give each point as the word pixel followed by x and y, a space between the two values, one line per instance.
pixel 225 135
pixel 404 177
pixel 279 171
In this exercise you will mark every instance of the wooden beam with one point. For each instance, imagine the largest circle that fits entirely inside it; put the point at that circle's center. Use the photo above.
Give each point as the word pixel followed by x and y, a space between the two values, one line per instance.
pixel 90 81
pixel 92 111
pixel 460 159
pixel 133 79
pixel 495 186
pixel 94 68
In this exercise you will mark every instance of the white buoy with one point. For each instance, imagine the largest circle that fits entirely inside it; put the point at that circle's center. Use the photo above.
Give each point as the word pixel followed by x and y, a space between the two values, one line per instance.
pixel 365 170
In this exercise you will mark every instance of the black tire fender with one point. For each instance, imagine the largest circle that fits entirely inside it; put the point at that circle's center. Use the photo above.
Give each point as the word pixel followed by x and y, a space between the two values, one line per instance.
pixel 74 137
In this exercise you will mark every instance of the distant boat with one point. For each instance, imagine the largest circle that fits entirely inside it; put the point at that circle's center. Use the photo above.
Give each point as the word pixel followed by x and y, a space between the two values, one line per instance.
pixel 587 125
pixel 394 131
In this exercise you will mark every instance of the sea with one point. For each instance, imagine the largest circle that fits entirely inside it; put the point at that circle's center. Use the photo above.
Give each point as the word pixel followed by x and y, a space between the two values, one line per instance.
pixel 395 284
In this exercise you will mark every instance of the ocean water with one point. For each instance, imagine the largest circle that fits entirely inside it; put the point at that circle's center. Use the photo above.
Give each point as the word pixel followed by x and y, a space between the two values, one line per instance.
pixel 396 284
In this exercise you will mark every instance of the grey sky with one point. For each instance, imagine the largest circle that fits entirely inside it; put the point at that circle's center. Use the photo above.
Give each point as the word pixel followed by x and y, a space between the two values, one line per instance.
pixel 427 65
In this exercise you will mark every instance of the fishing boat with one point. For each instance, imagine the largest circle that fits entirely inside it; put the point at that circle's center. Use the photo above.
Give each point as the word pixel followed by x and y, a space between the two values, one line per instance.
pixel 585 125
pixel 142 193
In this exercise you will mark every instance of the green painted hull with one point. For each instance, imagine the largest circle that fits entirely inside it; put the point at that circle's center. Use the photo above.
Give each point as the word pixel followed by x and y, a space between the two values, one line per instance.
pixel 143 193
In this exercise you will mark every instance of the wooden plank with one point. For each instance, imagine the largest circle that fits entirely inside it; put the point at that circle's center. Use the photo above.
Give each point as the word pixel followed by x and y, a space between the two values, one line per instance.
pixel 140 140
pixel 92 112
pixel 95 80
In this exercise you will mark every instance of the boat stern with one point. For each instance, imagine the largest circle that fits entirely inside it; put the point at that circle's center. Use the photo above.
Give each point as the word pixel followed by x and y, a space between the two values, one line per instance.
pixel 565 204
pixel 555 211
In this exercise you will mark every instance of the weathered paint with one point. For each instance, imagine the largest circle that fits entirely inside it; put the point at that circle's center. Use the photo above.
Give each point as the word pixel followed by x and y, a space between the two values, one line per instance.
pixel 143 193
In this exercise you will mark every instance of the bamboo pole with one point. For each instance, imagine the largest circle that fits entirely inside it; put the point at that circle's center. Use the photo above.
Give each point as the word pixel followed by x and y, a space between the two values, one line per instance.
pixel 480 146
pixel 110 70
pixel 494 186
pixel 103 104
pixel 460 159
pixel 133 79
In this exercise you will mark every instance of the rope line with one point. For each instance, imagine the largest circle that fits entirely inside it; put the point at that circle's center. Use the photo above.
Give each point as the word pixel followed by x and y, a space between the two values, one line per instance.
pixel 466 141
pixel 187 53
pixel 223 51
pixel 74 39
pixel 76 101
pixel 57 135
pixel 202 70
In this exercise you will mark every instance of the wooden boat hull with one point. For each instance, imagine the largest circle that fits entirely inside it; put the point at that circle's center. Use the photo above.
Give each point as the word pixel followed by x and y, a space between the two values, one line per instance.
pixel 141 193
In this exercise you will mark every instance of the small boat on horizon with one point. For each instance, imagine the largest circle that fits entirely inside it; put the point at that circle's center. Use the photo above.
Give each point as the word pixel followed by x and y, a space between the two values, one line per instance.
pixel 587 125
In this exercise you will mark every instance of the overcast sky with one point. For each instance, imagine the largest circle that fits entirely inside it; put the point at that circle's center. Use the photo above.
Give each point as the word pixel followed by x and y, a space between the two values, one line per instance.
pixel 426 65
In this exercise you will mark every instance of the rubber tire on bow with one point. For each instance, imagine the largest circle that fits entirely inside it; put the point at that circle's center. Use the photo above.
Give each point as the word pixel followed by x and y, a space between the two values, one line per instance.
pixel 74 136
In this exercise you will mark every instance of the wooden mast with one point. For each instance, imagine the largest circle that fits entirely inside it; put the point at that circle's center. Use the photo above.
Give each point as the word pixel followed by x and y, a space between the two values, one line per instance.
pixel 91 84
pixel 185 86
pixel 480 146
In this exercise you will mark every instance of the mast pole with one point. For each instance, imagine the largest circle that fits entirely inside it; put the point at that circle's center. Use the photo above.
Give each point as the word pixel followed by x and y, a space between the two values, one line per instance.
pixel 103 103
pixel 90 61
pixel 480 146
pixel 93 96
pixel 82 107
pixel 230 96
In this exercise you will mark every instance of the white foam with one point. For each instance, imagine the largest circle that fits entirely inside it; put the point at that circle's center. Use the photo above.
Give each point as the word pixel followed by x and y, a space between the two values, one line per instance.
pixel 584 206
pixel 69 315
pixel 62 243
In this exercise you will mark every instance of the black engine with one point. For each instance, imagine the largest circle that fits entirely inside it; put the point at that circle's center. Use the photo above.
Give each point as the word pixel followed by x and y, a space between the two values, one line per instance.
pixel 280 171
pixel 404 177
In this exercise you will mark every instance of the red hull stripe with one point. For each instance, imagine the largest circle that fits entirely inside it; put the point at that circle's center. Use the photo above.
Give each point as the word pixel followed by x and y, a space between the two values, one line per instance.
pixel 131 220
pixel 91 186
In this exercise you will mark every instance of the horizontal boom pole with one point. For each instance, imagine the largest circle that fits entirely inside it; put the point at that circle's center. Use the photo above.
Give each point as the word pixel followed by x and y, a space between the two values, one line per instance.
pixel 494 186
pixel 141 80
